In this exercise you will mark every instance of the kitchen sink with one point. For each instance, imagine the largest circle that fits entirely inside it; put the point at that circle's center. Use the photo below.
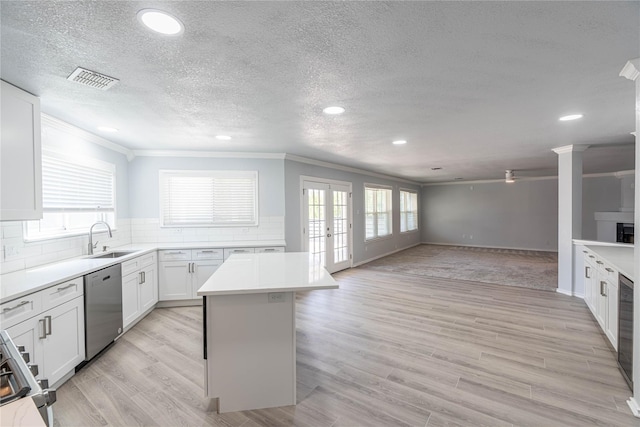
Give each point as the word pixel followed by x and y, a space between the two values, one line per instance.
pixel 115 254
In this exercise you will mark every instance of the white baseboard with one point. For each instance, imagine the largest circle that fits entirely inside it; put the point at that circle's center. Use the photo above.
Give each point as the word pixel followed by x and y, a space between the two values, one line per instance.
pixel 490 247
pixel 635 407
pixel 563 292
pixel 358 264
pixel 179 303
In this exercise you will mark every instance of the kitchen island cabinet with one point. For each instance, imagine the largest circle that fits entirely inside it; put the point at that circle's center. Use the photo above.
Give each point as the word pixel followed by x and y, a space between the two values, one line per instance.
pixel 249 328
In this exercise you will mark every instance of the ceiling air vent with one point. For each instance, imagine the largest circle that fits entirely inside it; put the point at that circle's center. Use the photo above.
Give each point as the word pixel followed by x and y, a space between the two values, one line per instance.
pixel 92 79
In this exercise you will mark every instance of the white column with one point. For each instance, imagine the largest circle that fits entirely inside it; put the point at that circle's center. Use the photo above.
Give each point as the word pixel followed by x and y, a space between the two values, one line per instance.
pixel 569 211
pixel 632 72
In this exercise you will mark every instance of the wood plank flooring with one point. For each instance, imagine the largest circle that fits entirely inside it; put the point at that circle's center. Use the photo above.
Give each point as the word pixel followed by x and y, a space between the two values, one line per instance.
pixel 383 350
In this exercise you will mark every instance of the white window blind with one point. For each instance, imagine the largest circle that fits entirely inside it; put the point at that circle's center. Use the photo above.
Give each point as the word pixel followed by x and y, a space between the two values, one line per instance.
pixel 209 198
pixel 408 210
pixel 76 192
pixel 378 209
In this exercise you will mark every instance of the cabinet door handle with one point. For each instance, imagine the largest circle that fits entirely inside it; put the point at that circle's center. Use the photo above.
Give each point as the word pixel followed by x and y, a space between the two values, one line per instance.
pixel 587 272
pixel 610 270
pixel 193 269
pixel 6 309
pixel 189 267
pixel 140 278
pixel 144 277
pixel 47 325
pixel 43 332
pixel 602 283
pixel 66 287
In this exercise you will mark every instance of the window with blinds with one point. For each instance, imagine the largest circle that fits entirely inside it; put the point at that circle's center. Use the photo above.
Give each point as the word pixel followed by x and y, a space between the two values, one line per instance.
pixel 378 209
pixel 76 192
pixel 208 198
pixel 408 210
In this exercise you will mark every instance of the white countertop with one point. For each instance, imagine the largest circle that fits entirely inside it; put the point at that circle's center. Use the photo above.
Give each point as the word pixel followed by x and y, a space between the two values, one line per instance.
pixel 619 255
pixel 267 272
pixel 20 283
pixel 21 413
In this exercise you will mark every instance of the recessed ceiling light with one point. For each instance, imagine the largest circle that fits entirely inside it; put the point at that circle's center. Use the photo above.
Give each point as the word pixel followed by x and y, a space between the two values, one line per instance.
pixel 570 117
pixel 399 142
pixel 333 110
pixel 223 137
pixel 161 22
pixel 107 129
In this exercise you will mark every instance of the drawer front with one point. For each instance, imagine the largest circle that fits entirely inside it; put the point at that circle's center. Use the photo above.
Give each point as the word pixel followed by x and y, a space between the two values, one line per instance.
pixel 175 255
pixel 269 249
pixel 18 310
pixel 202 254
pixel 130 266
pixel 230 251
pixel 146 260
pixel 62 292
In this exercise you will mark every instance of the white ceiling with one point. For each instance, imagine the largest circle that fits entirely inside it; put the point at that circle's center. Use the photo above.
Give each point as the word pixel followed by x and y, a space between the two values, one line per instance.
pixel 475 87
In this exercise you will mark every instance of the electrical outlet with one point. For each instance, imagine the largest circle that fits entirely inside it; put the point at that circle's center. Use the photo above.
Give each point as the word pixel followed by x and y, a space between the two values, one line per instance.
pixel 276 296
pixel 10 251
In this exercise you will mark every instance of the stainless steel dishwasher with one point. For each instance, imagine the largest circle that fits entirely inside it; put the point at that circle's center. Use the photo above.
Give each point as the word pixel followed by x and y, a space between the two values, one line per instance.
pixel 102 309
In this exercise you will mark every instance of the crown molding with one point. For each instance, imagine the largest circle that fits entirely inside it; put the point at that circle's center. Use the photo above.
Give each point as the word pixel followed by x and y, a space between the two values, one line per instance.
pixel 87 136
pixel 569 149
pixel 324 164
pixel 210 154
pixel 618 175
pixel 631 69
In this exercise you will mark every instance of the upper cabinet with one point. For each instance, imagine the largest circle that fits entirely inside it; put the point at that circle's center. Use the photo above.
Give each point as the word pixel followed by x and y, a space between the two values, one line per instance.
pixel 20 155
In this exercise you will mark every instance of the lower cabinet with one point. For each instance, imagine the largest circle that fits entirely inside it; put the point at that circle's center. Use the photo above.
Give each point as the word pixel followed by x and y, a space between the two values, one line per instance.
pixel 601 294
pixel 54 337
pixel 139 287
pixel 180 280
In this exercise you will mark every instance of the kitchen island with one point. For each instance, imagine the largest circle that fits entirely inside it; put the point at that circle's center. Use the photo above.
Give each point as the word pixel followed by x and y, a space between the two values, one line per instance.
pixel 249 328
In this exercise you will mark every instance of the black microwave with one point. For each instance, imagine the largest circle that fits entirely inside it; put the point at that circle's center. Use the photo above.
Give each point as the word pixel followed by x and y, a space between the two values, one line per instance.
pixel 624 233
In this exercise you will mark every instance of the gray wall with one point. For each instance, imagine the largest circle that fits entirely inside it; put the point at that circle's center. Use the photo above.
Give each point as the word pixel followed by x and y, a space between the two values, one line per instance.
pixel 144 181
pixel 599 194
pixel 522 215
pixel 361 251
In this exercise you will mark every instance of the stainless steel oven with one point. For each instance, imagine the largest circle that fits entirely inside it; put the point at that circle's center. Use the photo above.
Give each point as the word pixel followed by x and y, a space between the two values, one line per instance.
pixel 625 330
pixel 18 379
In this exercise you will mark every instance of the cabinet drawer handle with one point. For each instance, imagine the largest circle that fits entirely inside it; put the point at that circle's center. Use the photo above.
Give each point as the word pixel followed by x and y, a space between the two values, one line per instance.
pixel 43 332
pixel 269 250
pixel 591 256
pixel 207 252
pixel 6 309
pixel 174 253
pixel 47 324
pixel 610 270
pixel 599 262
pixel 585 252
pixel 66 287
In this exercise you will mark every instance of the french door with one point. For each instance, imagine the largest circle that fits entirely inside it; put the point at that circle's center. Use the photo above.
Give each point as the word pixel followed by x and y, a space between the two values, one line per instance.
pixel 326 232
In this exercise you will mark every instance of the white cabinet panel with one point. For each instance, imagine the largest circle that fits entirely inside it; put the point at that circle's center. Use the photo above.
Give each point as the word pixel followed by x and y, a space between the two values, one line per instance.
pixel 202 270
pixel 175 280
pixel 148 293
pixel 20 155
pixel 130 298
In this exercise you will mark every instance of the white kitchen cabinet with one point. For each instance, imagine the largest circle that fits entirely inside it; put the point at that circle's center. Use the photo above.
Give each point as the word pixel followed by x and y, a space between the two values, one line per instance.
pixel 180 280
pixel 54 336
pixel 139 287
pixel 174 280
pixel 601 294
pixel 20 155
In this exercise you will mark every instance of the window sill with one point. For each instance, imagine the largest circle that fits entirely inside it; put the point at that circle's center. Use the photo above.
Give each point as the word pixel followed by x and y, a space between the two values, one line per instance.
pixel 378 239
pixel 410 231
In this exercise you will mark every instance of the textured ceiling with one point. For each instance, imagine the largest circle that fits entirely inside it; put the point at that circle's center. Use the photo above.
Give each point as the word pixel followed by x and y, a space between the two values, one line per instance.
pixel 475 87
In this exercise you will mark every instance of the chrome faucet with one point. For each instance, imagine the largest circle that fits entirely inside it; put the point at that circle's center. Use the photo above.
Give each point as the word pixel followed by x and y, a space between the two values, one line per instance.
pixel 91 245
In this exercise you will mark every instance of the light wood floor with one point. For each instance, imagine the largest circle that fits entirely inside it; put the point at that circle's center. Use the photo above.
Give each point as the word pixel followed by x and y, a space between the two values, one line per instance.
pixel 383 350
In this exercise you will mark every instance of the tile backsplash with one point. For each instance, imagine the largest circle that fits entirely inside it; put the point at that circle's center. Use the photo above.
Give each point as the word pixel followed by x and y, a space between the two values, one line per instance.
pixel 16 254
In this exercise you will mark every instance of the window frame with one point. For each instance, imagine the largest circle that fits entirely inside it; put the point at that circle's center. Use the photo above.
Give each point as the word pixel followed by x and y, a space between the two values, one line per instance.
pixel 377 236
pixel 84 161
pixel 417 210
pixel 164 173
